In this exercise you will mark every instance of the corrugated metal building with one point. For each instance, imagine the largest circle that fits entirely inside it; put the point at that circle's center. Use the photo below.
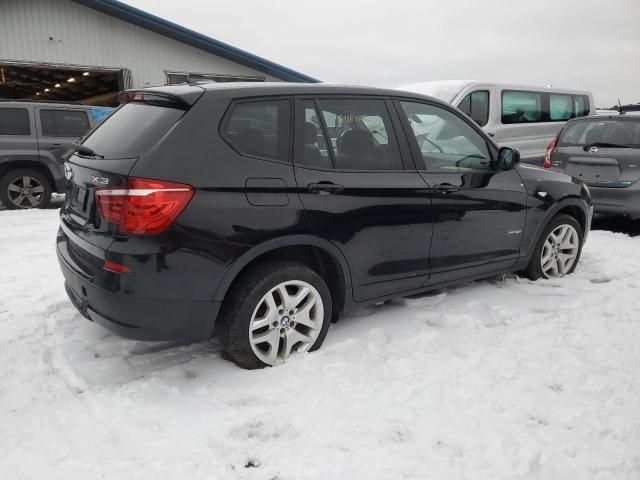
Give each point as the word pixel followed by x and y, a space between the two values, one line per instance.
pixel 88 49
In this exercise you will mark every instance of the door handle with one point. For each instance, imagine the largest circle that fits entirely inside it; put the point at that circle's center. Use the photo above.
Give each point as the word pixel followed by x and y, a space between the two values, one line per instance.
pixel 325 188
pixel 445 188
pixel 491 134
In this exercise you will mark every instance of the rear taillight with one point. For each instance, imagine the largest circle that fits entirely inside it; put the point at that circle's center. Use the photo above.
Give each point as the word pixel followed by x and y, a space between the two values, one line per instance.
pixel 145 207
pixel 547 154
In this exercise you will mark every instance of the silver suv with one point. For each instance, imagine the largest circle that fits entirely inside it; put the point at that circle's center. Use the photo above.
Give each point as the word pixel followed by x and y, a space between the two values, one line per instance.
pixel 33 138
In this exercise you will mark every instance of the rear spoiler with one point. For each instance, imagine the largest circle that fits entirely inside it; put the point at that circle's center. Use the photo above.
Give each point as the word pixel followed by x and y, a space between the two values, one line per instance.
pixel 179 96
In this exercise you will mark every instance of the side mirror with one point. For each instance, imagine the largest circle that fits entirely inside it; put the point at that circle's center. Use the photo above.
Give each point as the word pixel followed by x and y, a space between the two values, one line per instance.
pixel 508 157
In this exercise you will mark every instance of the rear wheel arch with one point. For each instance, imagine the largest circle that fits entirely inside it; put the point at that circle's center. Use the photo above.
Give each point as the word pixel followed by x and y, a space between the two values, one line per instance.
pixel 8 166
pixel 321 256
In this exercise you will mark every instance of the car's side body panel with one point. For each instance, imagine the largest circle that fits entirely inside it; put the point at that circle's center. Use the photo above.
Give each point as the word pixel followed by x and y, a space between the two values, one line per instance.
pixel 378 231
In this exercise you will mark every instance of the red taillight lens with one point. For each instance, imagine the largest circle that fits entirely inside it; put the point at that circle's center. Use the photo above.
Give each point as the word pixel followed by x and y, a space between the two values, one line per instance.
pixel 145 207
pixel 547 154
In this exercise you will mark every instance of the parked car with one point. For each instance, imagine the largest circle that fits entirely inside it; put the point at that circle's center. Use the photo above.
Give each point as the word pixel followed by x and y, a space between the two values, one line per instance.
pixel 260 212
pixel 519 116
pixel 604 152
pixel 33 138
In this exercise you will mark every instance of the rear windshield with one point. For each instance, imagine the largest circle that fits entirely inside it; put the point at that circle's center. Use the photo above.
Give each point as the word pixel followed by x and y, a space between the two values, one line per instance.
pixel 131 130
pixel 612 131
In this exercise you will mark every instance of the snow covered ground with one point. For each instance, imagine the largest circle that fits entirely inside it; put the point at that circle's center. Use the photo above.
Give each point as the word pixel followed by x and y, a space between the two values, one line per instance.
pixel 499 379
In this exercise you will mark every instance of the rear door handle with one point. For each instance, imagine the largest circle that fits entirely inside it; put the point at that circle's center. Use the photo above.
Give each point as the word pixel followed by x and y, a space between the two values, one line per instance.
pixel 445 188
pixel 325 188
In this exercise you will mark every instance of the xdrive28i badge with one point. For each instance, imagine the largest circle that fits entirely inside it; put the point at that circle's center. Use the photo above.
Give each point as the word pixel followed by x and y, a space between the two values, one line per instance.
pixel 68 173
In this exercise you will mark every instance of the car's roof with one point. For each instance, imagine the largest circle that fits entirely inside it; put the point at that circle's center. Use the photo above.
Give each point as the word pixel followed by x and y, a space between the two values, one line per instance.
pixel 251 89
pixel 599 118
pixel 6 101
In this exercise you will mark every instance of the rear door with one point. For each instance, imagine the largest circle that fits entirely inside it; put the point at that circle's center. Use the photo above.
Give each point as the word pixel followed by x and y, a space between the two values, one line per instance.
pixel 360 192
pixel 58 127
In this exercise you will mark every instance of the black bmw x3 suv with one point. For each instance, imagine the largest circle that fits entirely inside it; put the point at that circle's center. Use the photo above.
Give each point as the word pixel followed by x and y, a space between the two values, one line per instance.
pixel 260 212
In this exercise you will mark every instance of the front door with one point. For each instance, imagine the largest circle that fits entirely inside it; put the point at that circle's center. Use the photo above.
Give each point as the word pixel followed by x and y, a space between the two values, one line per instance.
pixel 479 211
pixel 360 194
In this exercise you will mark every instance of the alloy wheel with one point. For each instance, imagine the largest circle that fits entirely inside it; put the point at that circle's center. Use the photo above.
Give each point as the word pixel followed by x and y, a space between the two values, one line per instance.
pixel 288 318
pixel 560 251
pixel 25 191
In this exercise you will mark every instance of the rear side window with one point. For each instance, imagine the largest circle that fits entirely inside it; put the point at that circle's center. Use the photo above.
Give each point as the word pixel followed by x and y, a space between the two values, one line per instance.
pixel 14 121
pixel 476 105
pixel 521 107
pixel 131 130
pixel 560 107
pixel 581 105
pixel 360 134
pixel 259 129
pixel 64 123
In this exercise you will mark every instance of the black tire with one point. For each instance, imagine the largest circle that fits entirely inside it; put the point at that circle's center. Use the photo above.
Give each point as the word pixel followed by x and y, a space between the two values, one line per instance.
pixel 248 290
pixel 11 176
pixel 534 269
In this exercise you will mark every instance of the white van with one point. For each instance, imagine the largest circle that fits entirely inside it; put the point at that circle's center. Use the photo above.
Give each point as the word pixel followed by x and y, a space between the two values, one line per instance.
pixel 518 116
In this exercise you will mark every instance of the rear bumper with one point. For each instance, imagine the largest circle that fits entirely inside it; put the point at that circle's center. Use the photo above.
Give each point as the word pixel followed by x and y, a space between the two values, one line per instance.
pixel 130 316
pixel 622 201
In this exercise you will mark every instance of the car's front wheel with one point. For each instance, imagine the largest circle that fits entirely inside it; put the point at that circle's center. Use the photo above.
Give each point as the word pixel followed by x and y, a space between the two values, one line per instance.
pixel 558 250
pixel 274 311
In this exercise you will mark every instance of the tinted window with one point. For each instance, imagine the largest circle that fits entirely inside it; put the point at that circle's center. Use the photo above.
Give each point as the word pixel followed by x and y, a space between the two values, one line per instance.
pixel 361 136
pixel 476 105
pixel 64 123
pixel 560 107
pixel 521 107
pixel 132 130
pixel 581 105
pixel 617 132
pixel 447 143
pixel 14 121
pixel 315 152
pixel 259 129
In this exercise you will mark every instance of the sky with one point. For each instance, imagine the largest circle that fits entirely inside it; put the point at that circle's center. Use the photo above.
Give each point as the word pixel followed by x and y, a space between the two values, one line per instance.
pixel 580 44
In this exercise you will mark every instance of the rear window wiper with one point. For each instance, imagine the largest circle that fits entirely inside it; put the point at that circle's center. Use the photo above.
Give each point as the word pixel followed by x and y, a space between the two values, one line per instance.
pixel 76 147
pixel 606 145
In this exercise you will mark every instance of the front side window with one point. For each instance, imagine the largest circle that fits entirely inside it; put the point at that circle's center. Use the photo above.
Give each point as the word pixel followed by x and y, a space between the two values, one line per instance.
pixel 521 107
pixel 476 105
pixel 259 129
pixel 360 133
pixel 64 123
pixel 447 143
pixel 14 121
pixel 560 107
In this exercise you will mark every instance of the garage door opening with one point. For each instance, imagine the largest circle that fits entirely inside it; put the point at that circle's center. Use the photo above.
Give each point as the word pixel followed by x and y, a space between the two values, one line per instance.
pixel 90 86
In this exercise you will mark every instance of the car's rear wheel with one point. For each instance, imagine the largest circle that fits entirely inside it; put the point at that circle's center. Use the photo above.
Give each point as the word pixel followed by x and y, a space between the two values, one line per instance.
pixel 275 310
pixel 558 250
pixel 25 188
